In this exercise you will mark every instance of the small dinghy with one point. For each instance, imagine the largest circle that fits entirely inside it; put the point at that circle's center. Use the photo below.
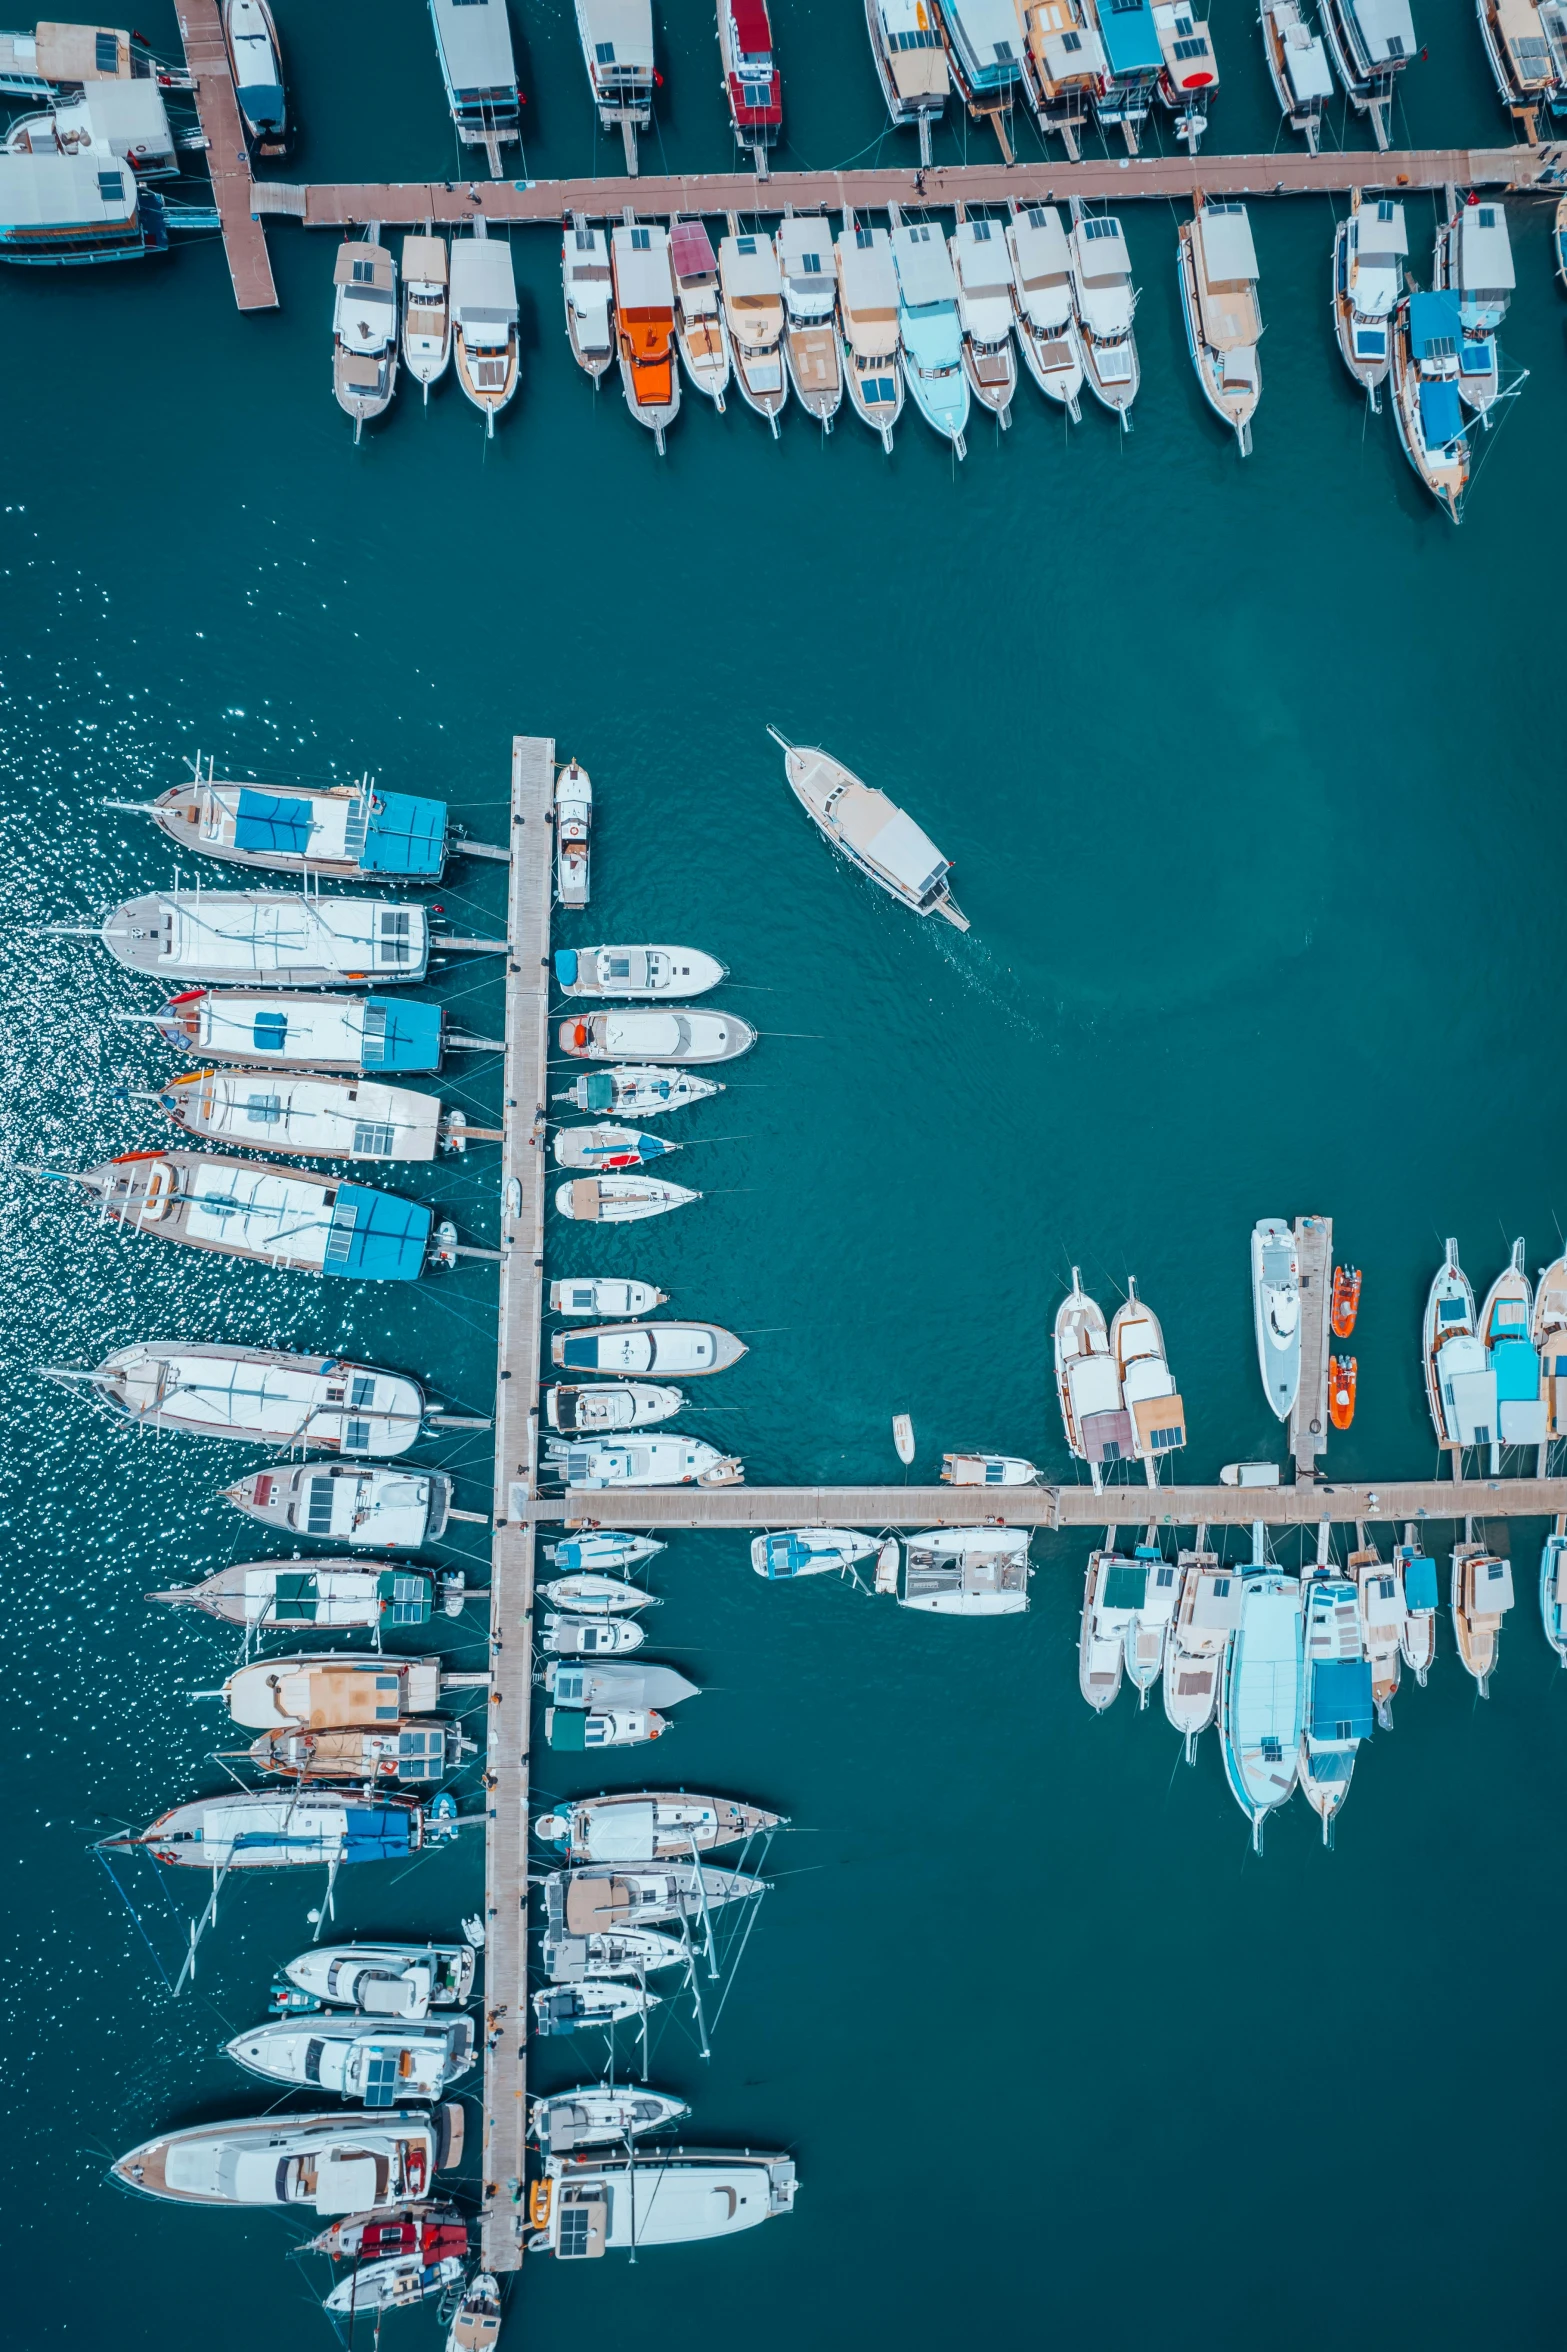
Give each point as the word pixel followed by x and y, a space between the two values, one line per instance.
pixel 651 1825
pixel 580 1732
pixel 357 2059
pixel 620 1200
pixel 354 1034
pixel 691 1349
pixel 864 826
pixel 320 1404
pixel 986 1470
pixel 427 313
pixel 590 1595
pixel 573 835
pixel 607 1148
pixel 617 1686
pixel 345 832
pixel 639 1093
pixel 328 1688
pixel 476 2322
pixel 268 939
pixel 636 971
pixel 590 1637
pixel 1460 1378
pixel 326 2163
pixel 1343 1377
pixel 566 2009
pixel 1275 1295
pixel 1417 1634
pixel 617 1895
pixel 602 1548
pixel 293 1829
pixel 314 1118
pixel 406 1750
pixel 1482 1594
pixel 604 2115
pixel 402 1508
pixel 1339 1707
pixel 967 1571
pixel 613 1404
pixel 283 1596
pixel 274 1216
pixel 622 1951
pixel 650 1461
pixel 385 1980
pixel 1209 1611
pixel 646 1033
pixel 589 1297
pixel 808 1551
pixel 395 2283
pixel 1553 1591
pixel 1346 1300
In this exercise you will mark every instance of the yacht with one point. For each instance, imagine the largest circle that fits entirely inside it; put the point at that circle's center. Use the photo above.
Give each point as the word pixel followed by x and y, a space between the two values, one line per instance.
pixel 1482 1594
pixel 645 324
pixel 911 62
pixel 256 61
pixel 637 1031
pixel 1506 1327
pixel 619 1200
pixel 1262 1697
pixel 268 939
pixel 753 85
pixel 313 1118
pixel 689 1350
pixel 1088 1385
pixel 604 1295
pixel 1369 250
pixel 984 51
pixel 382 1980
pixel 405 1750
pixel 292 1596
pixel 585 2207
pixel 1104 299
pixel 699 321
pixel 476 2322
pixel 1474 260
pixel 987 1470
pixel 982 266
pixel 329 1690
pixel 353 1034
pixel 1153 1406
pixel 604 2115
pixel 427 316
pixel 1549 1333
pixel 588 1637
pixel 651 1825
pixel 1199 1642
pixel 396 2282
pixel 1148 1634
pixel 321 1404
pixel 484 318
pixel 1189 79
pixel 364 329
pixel 358 2059
pixel 1046 322
pixel 1553 1590
pixel 649 1461
pixel 610 1404
pixel 1218 280
pixel 1381 1602
pixel 573 835
pixel 930 338
pixel 617 1686
pixel 473 43
pixel 787 1552
pixel 967 1571
pixel 568 2009
pixel 1526 49
pixel 1427 334
pixel 1372 41
pixel 365 1509
pixel 868 306
pixel 289 1218
pixel 586 290
pixel 602 1900
pixel 1417 1577
pixel 636 971
pixel 1460 1377
pixel 1275 1296
pixel 1297 66
pixel 752 290
pixel 329 2163
pixel 617 49
pixel 1064 63
pixel 871 832
pixel 1134 61
pixel 1113 1590
pixel 1338 1707
pixel 810 289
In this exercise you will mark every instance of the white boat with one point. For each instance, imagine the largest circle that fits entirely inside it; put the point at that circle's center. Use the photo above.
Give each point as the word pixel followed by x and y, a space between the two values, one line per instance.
pixel 1148 1633
pixel 986 1470
pixel 343 1504
pixel 1460 1378
pixel 1380 1598
pixel 674 1350
pixel 619 1200
pixel 1549 1334
pixel 358 2059
pixel 1339 1702
pixel 611 1404
pixel 1427 409
pixel 617 49
pixel 329 1689
pixel 1369 251
pixel 1262 1697
pixel 607 1149
pixel 268 939
pixel 311 1033
pixel 601 1547
pixel 1088 1387
pixel 256 62
pixel 1112 1589
pixel 1297 67
pixel 967 1571
pixel 587 291
pixel 786 1552
pixel 605 1898
pixel 1199 1643
pixel 1474 260
pixel 476 2322
pixel 585 2207
pixel 591 1594
pixel 1046 320
pixel 636 971
pixel 287 1218
pixel 1189 81
pixel 645 324
pixel 1218 280
pixel 603 1295
pixel 1482 1594
pixel 1506 1327
pixel 1064 67
pixel 982 264
pixel 590 1637
pixel 385 1980
pixel 328 2163
pixel 473 43
pixel 606 2115
pixel 752 84
pixel 573 832
pixel 639 1091
pixel 364 329
pixel 1275 1299
pixel 1105 302
pixel 911 62
pixel 296 1829
pixel 344 832
pixel 567 2009
pixel 394 2282
pixel 751 289
pixel 1250 1474
pixel 868 307
pixel 1372 41
pixel 575 1731
pixel 651 1825
pixel 810 289
pixel 930 339
pixel 1553 1591
pixel 321 1404
pixel 636 1033
pixel 484 321
pixel 589 1687
pixel 1417 1634
pixel 313 1118
pixel 699 321
pixel 648 1461
pixel 1152 1403
pixel 289 1596
pixel 870 831
pixel 427 316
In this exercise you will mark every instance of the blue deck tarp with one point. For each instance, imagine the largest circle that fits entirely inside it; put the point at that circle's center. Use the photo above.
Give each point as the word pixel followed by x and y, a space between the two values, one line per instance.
pixel 376 1237
pixel 405 836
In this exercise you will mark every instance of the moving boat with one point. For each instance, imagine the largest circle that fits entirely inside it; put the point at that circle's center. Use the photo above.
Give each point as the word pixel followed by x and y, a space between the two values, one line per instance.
pixel 1198 1644
pixel 650 1461
pixel 268 938
pixel 427 315
pixel 605 1900
pixel 619 1200
pixel 331 2163
pixel 983 52
pixel 274 1216
pixel 1046 324
pixel 484 316
pixel 285 1596
pixel 752 289
pixel 982 266
pixel 1382 1615
pixel 617 1686
pixel 1506 1325
pixel 615 1404
pixel 604 2115
pixel 810 288
pixel 645 324
pixel 911 63
pixel 314 1118
pixel 318 1403
pixel 704 346
pixel 315 1033
pixel 1148 1392
pixel 358 2059
pixel 1189 79
pixel 1097 1425
pixel 635 1031
pixel 585 288
pixel 1262 1697
pixel 1064 63
pixel 1474 260
pixel 1134 61
pixel 868 306
pixel 967 1571
pixel 476 2322
pixel 1343 1377
pixel 1339 1696
pixel 636 971
pixel 273 1829
pixel 617 49
pixel 1346 1301
pixel 566 2009
pixel 1275 1297
pixel 256 62
pixel 1297 66
pixel 1482 1594
pixel 1427 332
pixel 1526 48
pixel 689 1350
pixel 1372 41
pixel 1218 280
pixel 607 1148
pixel 1553 1590
pixel 930 339
pixel 783 1553
pixel 1148 1633
pixel 865 826
pixel 1369 249
pixel 473 43
pixel 573 831
pixel 345 832
pixel 385 1980
pixel 986 1470
pixel 343 1504
pixel 1112 1588
pixel 651 1825
pixel 639 1091
pixel 1103 296
pixel 364 329
pixel 1460 1378
pixel 753 85
pixel 585 2207
pixel 396 2282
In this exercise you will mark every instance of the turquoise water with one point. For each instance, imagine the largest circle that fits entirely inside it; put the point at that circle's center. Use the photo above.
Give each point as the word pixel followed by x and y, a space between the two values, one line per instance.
pixel 1250 778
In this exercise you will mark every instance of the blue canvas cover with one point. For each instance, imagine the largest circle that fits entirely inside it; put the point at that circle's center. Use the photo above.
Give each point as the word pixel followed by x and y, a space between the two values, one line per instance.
pixel 1433 321
pixel 1126 1585
pixel 276 828
pixel 1420 1583
pixel 599 1092
pixel 377 1833
pixel 566 966
pixel 1130 37
pixel 1441 418
pixel 580 1355
pixel 1341 1704
pixel 1517 1371
pixel 376 1237
pixel 404 836
pixel 401 1035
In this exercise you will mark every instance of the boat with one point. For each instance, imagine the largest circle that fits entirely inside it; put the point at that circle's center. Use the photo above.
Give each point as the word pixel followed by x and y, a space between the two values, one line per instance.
pixel 271 1829
pixel 593 1548
pixel 1046 323
pixel 66 208
pixel 1558 242
pixel 1338 1711
pixel 903 1438
pixel 1427 333
pixel 645 324
pixel 484 317
pixel 785 1552
pixel 1198 1644
pixel 986 1470
pixel 586 291
pixel 689 1349
pixel 751 286
pixel 1526 49
pixel 578 1732
pixel 427 316
pixel 871 832
pixel 1474 260
pixel 256 61
pixel 385 1980
pixel 268 939
pixel 473 43
pixel 430 2230
pixel 930 338
pixel 1343 1372
pixel 982 266
pixel 967 1571
pixel 273 1216
pixel 476 2322
pixel 1249 1474
pixel 610 1404
pixel 329 2163
pixel 638 1091
pixel 567 2009
pixel 1380 1590
pixel 409 1750
pixel 1112 1588
pixel 357 2058
pixel 1346 1301
pixel 868 307
pixel 590 1637
pixel 1506 1328
pixel 607 1149
pixel 1148 1633
pixel 699 321
pixel 395 2283
pixel 1218 281
pixel 636 971
pixel 314 1118
pixel 314 1033
pixel 649 1461
pixel 617 49
pixel 651 1825
pixel 1262 1696
pixel 983 51
pixel 364 329
pixel 1275 1298
pixel 1064 63
pixel 328 1690
pixel 322 1404
pixel 344 1504
pixel 585 2207
pixel 1553 1590
pixel 619 1200
pixel 1549 1333
pixel 1189 79
pixel 1460 1377
pixel 1297 67
pixel 573 830
pixel 287 1596
pixel 1134 61
pixel 1149 1396
pixel 752 83
pixel 810 289
pixel 1368 278
pixel 1417 1635
pixel 587 1591
pixel 1105 301
pixel 1482 1594
pixel 1088 1386
pixel 634 1031
pixel 605 1899
pixel 605 2115
pixel 1372 41
pixel 617 1686
pixel 911 63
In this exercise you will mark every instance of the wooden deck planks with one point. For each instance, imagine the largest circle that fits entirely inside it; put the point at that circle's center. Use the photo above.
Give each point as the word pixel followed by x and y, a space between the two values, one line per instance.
pixel 228 157
pixel 1309 1414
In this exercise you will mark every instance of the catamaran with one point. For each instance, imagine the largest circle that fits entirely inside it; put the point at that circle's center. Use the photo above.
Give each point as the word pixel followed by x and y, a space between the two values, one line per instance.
pixel 1046 322
pixel 1460 1378
pixel 364 329
pixel 1474 260
pixel 868 304
pixel 585 288
pixel 1262 1699
pixel 1199 1642
pixel 315 1033
pixel 1189 78
pixel 256 62
pixel 484 320
pixel 982 266
pixel 752 290
pixel 1154 1410
pixel 1275 1295
pixel 268 938
pixel 865 826
pixel 1482 1594
pixel 330 2163
pixel 1339 1699
pixel 314 1118
pixel 967 1571
pixel 637 971
pixel 342 1503
pixel 704 344
pixel 689 1350
pixel 810 289
pixel 1372 42
pixel 427 313
pixel 1369 250
pixel 585 2207
pixel 1298 67
pixel 322 1404
pixel 1104 299
pixel 1427 334
pixel 645 324
pixel 930 338
pixel 617 49
pixel 1506 1325
pixel 911 63
pixel 1218 281
pixel 274 1216
pixel 1088 1385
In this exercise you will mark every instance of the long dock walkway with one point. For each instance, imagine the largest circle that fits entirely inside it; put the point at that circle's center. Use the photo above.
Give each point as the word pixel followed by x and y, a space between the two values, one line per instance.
pixel 516 1474
pixel 1309 1416
pixel 228 158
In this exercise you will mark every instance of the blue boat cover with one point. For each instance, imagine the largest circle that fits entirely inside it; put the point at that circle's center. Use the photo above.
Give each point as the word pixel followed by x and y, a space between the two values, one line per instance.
pixel 568 1730
pixel 280 828
pixel 566 966
pixel 1477 358
pixel 399 1034
pixel 1441 418
pixel 599 1090
pixel 262 104
pixel 376 1237
pixel 404 836
pixel 377 1833
pixel 1341 1706
pixel 1130 37
pixel 580 1355
pixel 1517 1371
pixel 269 1032
pixel 1420 1583
pixel 1126 1585
pixel 1435 325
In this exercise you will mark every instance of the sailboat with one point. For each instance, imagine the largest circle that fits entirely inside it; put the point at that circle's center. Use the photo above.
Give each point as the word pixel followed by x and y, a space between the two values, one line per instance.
pixel 1198 1642
pixel 606 1148
pixel 427 315
pixel 1369 249
pixel 930 338
pixel 645 325
pixel 1189 76
pixel 354 1034
pixel 1148 1634
pixel 1148 1392
pixel 1460 1377
pixel 784 1553
pixel 1381 1600
pixel 1474 260
pixel 274 1216
pixel 1093 1414
pixel 1105 301
pixel 1506 1325
pixel 314 1118
pixel 268 939
pixel 585 288
pixel 1046 322
pixel 344 832
pixel 810 288
pixel 619 1200
pixel 1297 67
pixel 638 1091
pixel 1262 1698
pixel 1427 333
pixel 651 1825
pixel 605 2115
pixel 752 290
pixel 704 345
pixel 868 305
pixel 1482 1594
pixel 1339 1707
pixel 282 1829
pixel 484 315
pixel 1275 1294
pixel 290 1596
pixel 982 266
pixel 1372 42
pixel 322 1404
pixel 1218 281
pixel 1417 1579
pixel 364 329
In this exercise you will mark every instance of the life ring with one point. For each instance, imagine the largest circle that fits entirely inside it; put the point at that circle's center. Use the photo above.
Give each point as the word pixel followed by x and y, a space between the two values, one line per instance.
pixel 539 2197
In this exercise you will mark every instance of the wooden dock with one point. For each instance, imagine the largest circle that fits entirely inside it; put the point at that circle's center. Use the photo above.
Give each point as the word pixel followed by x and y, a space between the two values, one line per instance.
pixel 1309 1414
pixel 228 157
pixel 503 2211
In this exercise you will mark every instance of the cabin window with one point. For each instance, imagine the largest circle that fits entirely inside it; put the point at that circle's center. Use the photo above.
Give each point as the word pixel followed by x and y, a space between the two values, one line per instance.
pixel 318 1509
pixel 620 966
pixel 313 2050
pixel 361 1394
pixel 356 1437
pixel 106 53
pixel 1099 227
pixel 340 1240
pixel 1004 52
pixel 745 244
pixel 920 235
pixel 1195 47
pixel 396 945
pixel 1487 216
pixel 372 1140
pixel 1071 43
pixel 981 230
pixel 1385 208
pixel 364 273
pixel 264 1110
pixel 1165 1578
pixel 1272 1752
pixel 865 239
pixel 470 3
pixel 1395 45
pixel 111 188
pixel 604 51
pixel 641 241
pixel 1221 1588
pixel 811 265
pixel 373 1046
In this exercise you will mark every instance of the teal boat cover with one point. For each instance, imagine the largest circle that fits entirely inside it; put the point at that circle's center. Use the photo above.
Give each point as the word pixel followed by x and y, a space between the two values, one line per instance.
pixel 567 1729
pixel 598 1092
pixel 1420 1582
pixel 404 836
pixel 566 966
pixel 375 1237
pixel 1517 1371
pixel 1126 1584
pixel 272 827
pixel 1341 1703
pixel 400 1035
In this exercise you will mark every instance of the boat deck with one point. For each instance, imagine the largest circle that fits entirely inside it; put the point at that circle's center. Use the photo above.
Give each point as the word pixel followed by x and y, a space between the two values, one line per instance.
pixel 1309 1413
pixel 228 157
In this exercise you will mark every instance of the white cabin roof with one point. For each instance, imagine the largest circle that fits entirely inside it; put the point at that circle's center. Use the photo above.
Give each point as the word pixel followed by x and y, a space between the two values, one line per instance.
pixel 984 259
pixel 904 852
pixel 1485 255
pixel 1224 231
pixel 642 279
pixel 625 26
pixel 1386 27
pixel 1101 249
pixel 924 265
pixel 1040 239
pixel 749 267
pixel 425 260
pixel 128 115
pixel 475 40
pixel 1381 231
pixel 484 288
pixel 47 191
pixel 805 247
pixel 240 1207
pixel 869 278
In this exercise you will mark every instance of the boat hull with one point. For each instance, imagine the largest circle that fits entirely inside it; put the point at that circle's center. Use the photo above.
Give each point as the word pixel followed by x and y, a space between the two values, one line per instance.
pixel 343 1504
pixel 262 1396
pixel 1235 409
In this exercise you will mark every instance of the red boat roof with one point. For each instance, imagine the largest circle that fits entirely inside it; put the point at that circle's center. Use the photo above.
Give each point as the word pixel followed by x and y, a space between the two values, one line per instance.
pixel 752 31
pixel 691 249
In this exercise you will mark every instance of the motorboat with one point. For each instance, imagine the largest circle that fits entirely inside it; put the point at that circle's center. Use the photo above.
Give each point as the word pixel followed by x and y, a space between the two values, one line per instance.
pixel 690 1350
pixel 651 1825
pixel 1339 1696
pixel 1372 41
pixel 1275 1298
pixel 638 1091
pixel 871 832
pixel 1417 1635
pixel 573 1731
pixel 427 311
pixel 967 1571
pixel 291 1596
pixel 810 289
pixel 395 2282
pixel 911 63
pixel 573 834
pixel 603 1295
pixel 342 832
pixel 484 319
pixel 1105 301
pixel 605 2115
pixel 984 54
pixel 256 61
pixel 313 1118
pixel 1088 1386
pixel 1046 322
pixel 1133 64
pixel 868 307
pixel 283 1829
pixel 1482 1594
pixel 699 319
pixel 785 1552
pixel 610 1404
pixel 1369 251
pixel 600 1548
pixel 585 2207
pixel 588 1591
pixel 272 1216
pixel 1262 1696
pixel 1553 1590
pixel 385 1980
pixel 634 1032
pixel 1149 1396
pixel 473 43
pixel 1506 1328
pixel 330 2163
pixel 1526 49
pixel 753 86
pixel 568 2009
pixel 751 288
pixel 1380 1595
pixel 987 1470
pixel 590 1637
pixel 617 49
pixel 1147 1636
pixel 1250 1474
pixel 1474 260
pixel 619 1200
pixel 312 1033
pixel 607 1149
pixel 268 939
pixel 1460 1377
pixel 645 324
pixel 1343 1378
pixel 590 1687
pixel 930 336
pixel 1064 64
pixel 364 329
pixel 1549 1333
pixel 328 1690
pixel 1297 67
pixel 357 2058
pixel 476 2322
pixel 636 971
pixel 1189 76
pixel 607 1898
pixel 648 1461
pixel 1345 1301
pixel 1427 332
pixel 1218 280
pixel 1113 1588
pixel 322 1404
pixel 982 266
pixel 1198 1644
pixel 430 2230
pixel 341 1503
pixel 586 290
